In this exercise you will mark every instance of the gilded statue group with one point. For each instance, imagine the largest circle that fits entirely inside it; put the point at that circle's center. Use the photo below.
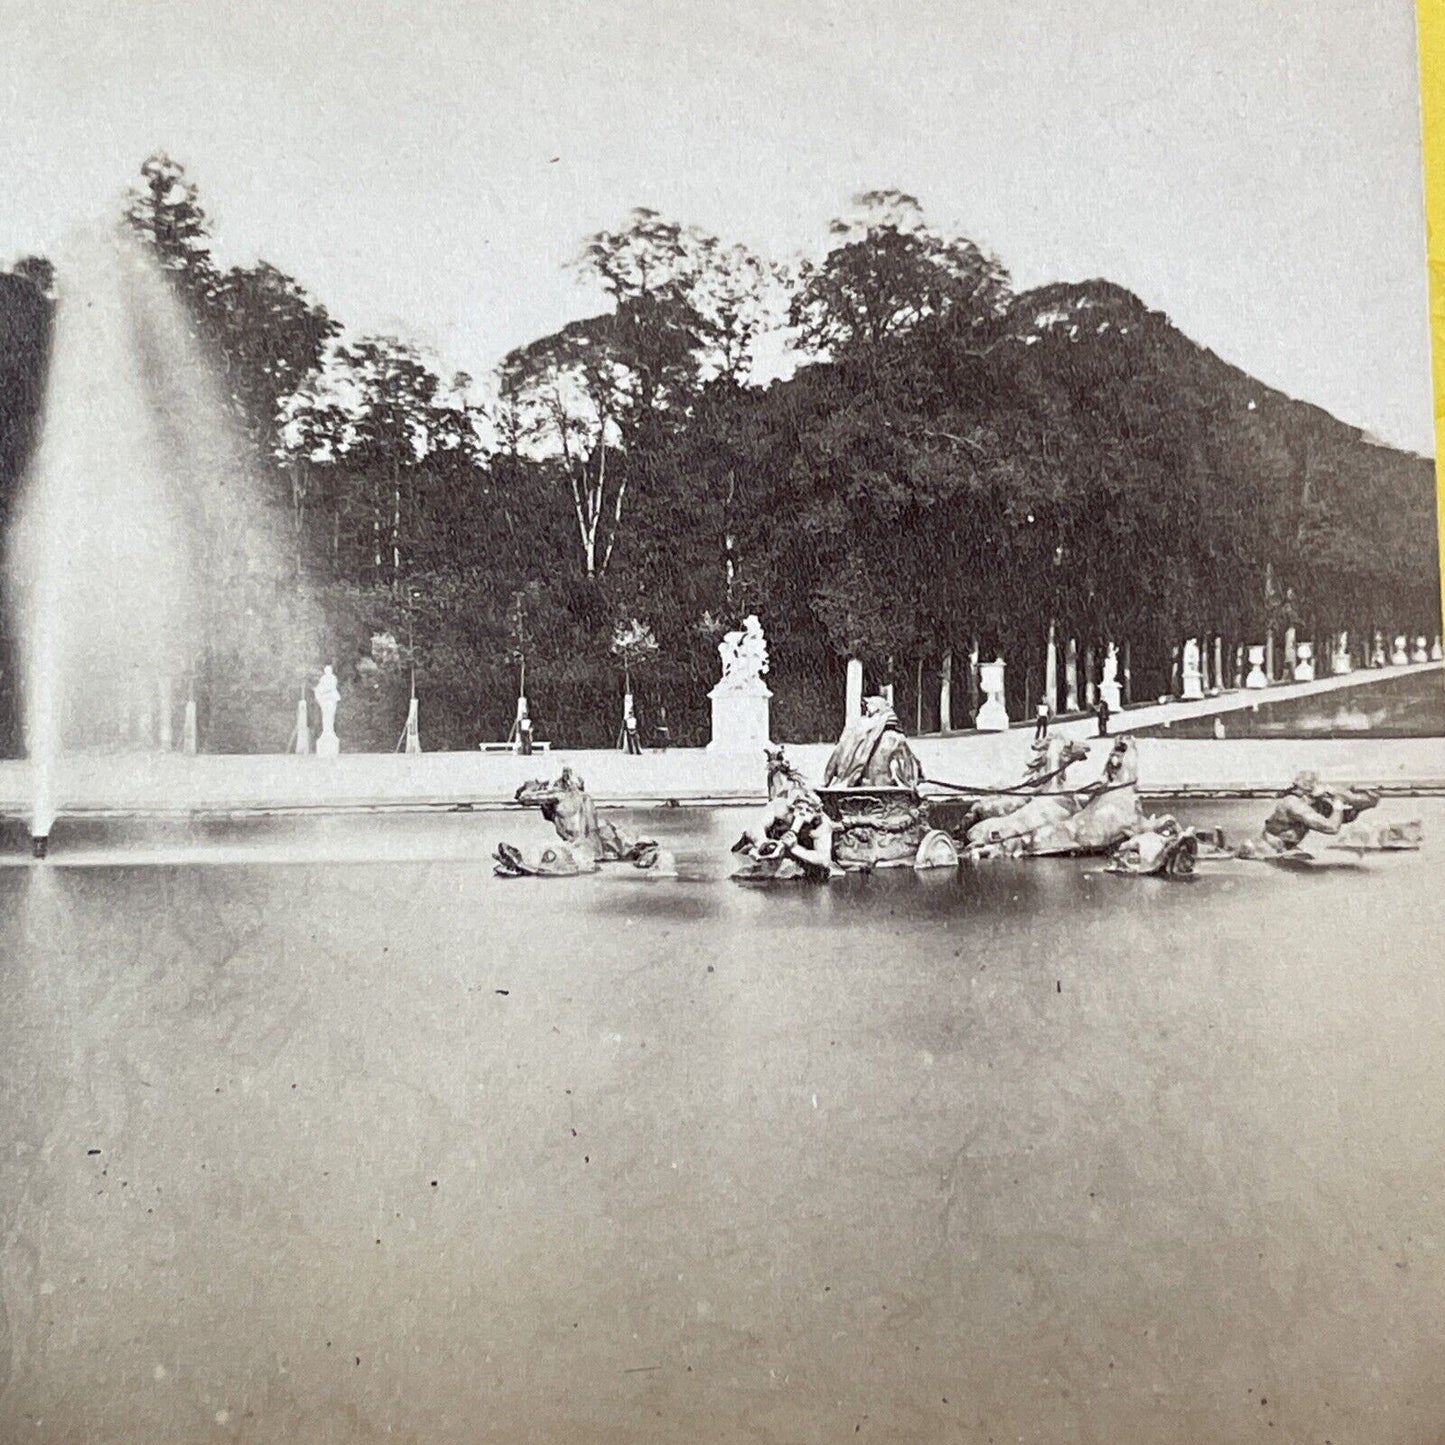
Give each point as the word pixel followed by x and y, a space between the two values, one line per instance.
pixel 875 809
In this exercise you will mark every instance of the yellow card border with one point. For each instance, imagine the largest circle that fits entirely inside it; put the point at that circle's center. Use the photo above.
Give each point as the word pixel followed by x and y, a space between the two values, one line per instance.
pixel 1432 104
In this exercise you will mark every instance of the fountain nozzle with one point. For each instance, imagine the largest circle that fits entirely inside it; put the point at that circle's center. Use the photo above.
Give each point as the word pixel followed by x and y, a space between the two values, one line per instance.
pixel 39 845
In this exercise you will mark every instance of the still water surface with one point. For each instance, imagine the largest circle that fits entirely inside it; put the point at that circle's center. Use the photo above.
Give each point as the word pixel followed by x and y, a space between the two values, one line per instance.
pixel 317 1132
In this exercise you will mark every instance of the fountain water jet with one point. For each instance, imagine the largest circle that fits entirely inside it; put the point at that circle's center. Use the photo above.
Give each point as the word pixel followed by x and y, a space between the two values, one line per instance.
pixel 147 546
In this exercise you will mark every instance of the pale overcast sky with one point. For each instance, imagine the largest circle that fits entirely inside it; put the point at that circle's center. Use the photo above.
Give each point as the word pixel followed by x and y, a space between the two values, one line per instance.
pixel 1252 167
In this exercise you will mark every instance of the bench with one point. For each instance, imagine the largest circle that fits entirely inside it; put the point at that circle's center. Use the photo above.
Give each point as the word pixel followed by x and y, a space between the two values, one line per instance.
pixel 537 747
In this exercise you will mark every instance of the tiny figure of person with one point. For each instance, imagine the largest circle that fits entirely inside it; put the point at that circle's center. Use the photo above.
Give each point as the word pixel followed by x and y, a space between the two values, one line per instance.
pixel 1101 711
pixel 524 735
pixel 1041 722
pixel 632 741
pixel 662 734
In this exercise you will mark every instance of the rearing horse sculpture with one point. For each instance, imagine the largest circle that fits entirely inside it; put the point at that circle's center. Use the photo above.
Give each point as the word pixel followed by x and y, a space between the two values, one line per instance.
pixel 1092 819
pixel 1048 766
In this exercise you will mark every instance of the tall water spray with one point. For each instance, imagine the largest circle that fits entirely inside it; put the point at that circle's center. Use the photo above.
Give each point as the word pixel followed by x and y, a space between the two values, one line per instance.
pixel 144 545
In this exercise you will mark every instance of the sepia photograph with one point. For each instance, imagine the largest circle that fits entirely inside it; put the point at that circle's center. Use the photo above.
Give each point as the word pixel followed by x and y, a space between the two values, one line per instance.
pixel 720 723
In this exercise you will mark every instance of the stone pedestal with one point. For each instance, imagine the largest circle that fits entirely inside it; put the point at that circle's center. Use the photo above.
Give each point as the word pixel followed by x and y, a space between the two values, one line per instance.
pixel 1342 662
pixel 1304 662
pixel 1256 677
pixel 1399 656
pixel 1111 692
pixel 993 715
pixel 739 719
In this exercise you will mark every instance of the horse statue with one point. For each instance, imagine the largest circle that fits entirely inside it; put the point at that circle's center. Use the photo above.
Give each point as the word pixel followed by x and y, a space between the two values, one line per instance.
pixel 1107 814
pixel 1048 766
pixel 1004 820
pixel 586 841
pixel 1091 819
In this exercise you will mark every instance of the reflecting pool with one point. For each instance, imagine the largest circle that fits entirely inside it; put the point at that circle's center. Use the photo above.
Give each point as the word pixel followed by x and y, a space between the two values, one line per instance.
pixel 318 1132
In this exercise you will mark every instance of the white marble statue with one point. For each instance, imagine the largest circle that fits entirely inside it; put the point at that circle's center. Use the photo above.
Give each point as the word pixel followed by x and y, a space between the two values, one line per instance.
pixel 740 721
pixel 327 693
pixel 744 656
pixel 1109 688
pixel 1191 680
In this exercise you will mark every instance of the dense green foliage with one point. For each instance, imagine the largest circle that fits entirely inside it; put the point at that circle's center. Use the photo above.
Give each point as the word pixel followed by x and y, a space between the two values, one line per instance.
pixel 951 465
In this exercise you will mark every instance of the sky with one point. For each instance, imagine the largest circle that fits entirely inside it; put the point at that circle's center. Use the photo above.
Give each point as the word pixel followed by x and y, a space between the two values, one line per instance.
pixel 430 167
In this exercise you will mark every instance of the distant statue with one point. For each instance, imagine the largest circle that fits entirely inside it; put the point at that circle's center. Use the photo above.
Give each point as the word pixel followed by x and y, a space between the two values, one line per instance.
pixel 1109 689
pixel 327 693
pixel 1191 680
pixel 744 656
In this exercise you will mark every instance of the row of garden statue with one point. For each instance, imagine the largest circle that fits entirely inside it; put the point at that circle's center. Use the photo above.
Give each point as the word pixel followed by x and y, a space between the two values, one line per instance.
pixel 872 811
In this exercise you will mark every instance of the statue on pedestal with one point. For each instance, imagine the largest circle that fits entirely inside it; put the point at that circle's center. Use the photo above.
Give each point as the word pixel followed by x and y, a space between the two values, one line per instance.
pixel 1304 663
pixel 328 694
pixel 1257 677
pixel 744 656
pixel 1191 682
pixel 1109 687
pixel 740 699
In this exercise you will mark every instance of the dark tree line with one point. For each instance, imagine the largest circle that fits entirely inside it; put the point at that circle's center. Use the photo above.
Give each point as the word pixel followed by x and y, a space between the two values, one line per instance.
pixel 952 468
